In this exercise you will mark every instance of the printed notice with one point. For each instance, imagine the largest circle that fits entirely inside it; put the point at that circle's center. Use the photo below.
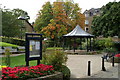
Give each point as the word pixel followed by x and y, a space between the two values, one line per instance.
pixel 37 45
pixel 32 42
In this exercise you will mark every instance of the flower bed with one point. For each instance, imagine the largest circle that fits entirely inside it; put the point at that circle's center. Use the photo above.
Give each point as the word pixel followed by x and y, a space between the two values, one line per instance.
pixel 27 72
pixel 117 55
pixel 116 58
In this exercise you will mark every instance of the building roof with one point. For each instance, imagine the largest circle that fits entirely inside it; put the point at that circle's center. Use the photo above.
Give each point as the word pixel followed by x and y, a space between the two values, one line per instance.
pixel 92 10
pixel 78 32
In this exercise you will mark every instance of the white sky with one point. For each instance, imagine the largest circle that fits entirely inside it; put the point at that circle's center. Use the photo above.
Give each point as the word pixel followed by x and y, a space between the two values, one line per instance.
pixel 33 6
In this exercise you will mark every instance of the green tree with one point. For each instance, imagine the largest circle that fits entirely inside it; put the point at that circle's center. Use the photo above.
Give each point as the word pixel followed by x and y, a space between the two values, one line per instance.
pixel 107 24
pixel 11 26
pixel 44 17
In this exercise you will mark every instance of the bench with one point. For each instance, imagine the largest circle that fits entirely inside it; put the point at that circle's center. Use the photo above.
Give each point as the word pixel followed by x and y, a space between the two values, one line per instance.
pixel 108 55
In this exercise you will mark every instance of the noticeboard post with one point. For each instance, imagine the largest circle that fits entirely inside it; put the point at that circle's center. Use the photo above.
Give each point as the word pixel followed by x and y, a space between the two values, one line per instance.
pixel 33 48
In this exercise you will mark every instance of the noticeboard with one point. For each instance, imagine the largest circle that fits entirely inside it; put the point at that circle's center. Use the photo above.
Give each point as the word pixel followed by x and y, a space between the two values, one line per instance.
pixel 33 47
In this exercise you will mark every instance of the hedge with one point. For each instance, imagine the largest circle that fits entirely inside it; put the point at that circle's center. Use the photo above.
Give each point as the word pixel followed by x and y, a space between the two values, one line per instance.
pixel 15 41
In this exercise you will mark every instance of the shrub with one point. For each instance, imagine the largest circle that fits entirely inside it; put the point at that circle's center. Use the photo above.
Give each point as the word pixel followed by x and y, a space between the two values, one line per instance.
pixel 66 72
pixel 109 50
pixel 15 41
pixel 100 44
pixel 57 59
pixel 7 57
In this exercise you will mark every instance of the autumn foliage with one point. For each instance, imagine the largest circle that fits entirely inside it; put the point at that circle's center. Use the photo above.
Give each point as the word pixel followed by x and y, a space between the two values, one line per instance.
pixel 66 16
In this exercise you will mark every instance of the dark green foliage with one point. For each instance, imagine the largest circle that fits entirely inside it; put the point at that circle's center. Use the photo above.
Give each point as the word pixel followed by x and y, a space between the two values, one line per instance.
pixel 117 46
pixel 66 72
pixel 15 41
pixel 11 26
pixel 107 24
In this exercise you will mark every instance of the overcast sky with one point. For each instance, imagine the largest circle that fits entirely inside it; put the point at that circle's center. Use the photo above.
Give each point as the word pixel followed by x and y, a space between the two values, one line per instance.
pixel 33 6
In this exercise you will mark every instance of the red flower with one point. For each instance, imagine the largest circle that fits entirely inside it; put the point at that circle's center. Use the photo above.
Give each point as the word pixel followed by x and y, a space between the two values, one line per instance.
pixel 21 72
pixel 12 76
pixel 117 55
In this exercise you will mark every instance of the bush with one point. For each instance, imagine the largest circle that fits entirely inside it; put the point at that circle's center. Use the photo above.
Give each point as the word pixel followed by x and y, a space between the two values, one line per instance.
pixel 57 59
pixel 66 72
pixel 109 50
pixel 15 41
pixel 100 44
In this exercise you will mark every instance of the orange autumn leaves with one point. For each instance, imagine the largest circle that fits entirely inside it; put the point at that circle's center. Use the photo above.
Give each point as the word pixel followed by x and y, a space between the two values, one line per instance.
pixel 54 31
pixel 62 23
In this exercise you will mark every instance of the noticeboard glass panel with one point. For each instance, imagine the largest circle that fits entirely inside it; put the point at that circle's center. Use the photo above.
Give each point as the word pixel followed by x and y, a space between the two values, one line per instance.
pixel 34 48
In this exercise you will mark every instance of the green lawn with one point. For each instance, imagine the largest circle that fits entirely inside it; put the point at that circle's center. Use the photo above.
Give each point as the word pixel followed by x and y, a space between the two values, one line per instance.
pixel 50 48
pixel 7 44
pixel 18 60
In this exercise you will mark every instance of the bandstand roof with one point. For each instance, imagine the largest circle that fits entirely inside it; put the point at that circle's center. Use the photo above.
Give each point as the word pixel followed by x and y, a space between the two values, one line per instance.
pixel 78 32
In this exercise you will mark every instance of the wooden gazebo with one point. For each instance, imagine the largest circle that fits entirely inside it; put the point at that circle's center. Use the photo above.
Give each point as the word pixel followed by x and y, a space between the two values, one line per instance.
pixel 78 32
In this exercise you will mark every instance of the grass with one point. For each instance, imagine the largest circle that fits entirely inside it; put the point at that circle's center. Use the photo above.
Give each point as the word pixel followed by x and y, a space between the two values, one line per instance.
pixel 18 61
pixel 50 48
pixel 4 44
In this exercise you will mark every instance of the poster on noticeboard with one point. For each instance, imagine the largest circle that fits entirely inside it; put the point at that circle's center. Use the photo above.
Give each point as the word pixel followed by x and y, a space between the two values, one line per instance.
pixel 34 48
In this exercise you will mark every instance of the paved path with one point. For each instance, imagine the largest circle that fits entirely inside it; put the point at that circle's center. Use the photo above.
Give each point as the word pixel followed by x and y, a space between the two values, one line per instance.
pixel 78 66
pixel 13 54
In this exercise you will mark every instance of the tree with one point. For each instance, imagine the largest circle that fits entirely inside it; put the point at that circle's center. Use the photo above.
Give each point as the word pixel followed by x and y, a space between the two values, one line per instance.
pixel 44 17
pixel 74 15
pixel 65 16
pixel 107 24
pixel 11 26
